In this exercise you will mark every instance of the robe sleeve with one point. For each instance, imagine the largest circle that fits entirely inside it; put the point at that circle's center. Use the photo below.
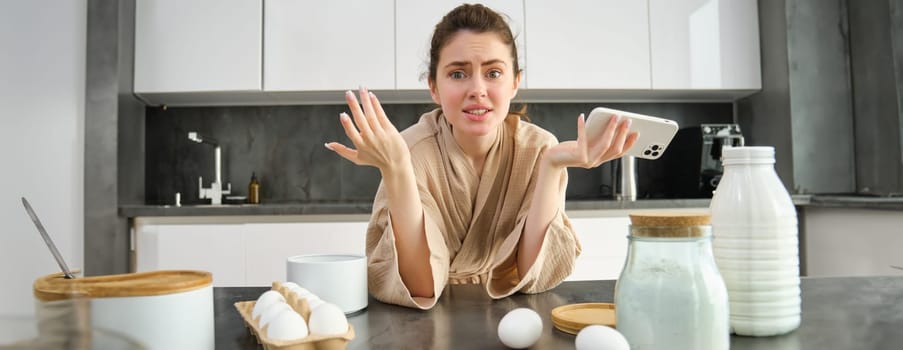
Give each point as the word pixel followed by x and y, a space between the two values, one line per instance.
pixel 383 275
pixel 555 261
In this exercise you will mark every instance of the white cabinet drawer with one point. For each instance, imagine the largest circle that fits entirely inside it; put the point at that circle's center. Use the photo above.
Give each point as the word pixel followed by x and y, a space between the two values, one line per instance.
pixel 218 249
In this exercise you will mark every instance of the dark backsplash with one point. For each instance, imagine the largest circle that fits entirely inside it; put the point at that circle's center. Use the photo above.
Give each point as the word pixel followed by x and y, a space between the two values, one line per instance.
pixel 284 146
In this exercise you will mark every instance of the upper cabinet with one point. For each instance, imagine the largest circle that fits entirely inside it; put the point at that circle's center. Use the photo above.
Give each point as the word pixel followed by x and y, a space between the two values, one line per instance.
pixel 245 52
pixel 705 44
pixel 328 45
pixel 414 25
pixel 587 44
pixel 198 45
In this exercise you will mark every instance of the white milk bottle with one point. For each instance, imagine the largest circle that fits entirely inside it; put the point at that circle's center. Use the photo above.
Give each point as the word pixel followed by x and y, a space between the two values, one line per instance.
pixel 756 243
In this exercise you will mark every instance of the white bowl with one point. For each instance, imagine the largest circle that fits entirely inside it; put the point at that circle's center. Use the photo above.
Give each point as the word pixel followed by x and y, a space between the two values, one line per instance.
pixel 340 279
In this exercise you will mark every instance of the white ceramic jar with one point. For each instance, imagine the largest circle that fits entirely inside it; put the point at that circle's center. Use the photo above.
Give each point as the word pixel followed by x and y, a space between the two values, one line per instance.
pixel 756 243
pixel 670 294
pixel 170 309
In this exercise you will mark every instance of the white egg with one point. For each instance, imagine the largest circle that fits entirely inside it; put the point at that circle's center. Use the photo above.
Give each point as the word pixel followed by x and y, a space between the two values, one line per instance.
pixel 328 319
pixel 270 313
pixel 264 301
pixel 520 328
pixel 314 302
pixel 598 337
pixel 290 285
pixel 300 292
pixel 304 293
pixel 287 326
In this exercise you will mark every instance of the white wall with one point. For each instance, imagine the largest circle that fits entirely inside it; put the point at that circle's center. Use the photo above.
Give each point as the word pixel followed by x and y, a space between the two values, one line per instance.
pixel 42 90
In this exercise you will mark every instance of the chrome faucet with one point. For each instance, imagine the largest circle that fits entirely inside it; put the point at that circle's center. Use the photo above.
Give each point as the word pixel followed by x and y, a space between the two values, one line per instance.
pixel 628 179
pixel 215 192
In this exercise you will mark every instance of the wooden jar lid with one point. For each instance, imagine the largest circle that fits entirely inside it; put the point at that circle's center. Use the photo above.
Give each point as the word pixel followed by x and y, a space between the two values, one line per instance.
pixel 56 287
pixel 571 318
pixel 670 218
pixel 670 224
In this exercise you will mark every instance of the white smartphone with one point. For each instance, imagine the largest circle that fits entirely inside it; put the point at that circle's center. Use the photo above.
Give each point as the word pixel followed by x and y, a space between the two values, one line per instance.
pixel 655 133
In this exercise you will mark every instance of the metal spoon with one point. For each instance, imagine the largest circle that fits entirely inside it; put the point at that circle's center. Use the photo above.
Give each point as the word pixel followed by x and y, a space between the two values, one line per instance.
pixel 47 240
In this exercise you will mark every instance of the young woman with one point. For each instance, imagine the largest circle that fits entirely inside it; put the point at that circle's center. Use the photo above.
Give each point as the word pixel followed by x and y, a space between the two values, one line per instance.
pixel 470 193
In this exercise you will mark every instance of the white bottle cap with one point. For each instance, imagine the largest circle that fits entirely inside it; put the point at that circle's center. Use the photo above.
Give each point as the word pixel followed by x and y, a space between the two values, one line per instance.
pixel 747 155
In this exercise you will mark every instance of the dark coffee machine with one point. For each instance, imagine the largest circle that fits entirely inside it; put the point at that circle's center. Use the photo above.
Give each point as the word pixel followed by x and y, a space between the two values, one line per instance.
pixel 693 161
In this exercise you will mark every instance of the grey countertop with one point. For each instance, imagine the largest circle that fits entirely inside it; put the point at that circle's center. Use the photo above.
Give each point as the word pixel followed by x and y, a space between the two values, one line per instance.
pixel 838 313
pixel 298 208
pixel 322 208
pixel 857 201
pixel 365 207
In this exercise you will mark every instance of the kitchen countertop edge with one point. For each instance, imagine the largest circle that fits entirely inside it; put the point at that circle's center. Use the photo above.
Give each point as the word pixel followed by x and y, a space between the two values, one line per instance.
pixel 360 208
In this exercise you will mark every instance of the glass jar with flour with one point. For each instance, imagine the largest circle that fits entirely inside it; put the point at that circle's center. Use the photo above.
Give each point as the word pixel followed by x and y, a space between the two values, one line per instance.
pixel 670 294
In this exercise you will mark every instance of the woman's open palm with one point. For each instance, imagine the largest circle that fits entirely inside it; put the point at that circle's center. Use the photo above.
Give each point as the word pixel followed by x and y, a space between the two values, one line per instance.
pixel 590 151
pixel 376 141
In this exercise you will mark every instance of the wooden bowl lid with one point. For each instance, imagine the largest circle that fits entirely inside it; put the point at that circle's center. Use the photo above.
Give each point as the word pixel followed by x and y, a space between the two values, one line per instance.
pixel 572 318
pixel 56 287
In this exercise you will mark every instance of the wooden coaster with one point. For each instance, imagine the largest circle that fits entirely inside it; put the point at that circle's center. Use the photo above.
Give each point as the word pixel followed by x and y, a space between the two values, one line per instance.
pixel 572 318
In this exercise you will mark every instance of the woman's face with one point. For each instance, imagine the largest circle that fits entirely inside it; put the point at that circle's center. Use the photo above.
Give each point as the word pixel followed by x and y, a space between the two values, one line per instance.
pixel 475 82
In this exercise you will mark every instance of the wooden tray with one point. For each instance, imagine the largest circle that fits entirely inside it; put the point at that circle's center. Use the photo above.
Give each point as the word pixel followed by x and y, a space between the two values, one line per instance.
pixel 311 342
pixel 572 318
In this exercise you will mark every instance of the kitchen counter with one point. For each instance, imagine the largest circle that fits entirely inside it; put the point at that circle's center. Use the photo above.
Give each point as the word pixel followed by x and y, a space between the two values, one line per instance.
pixel 341 208
pixel 365 208
pixel 299 208
pixel 838 313
pixel 857 201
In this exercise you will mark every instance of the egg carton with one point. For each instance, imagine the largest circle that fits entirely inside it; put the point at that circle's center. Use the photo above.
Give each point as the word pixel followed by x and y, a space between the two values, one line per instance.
pixel 310 342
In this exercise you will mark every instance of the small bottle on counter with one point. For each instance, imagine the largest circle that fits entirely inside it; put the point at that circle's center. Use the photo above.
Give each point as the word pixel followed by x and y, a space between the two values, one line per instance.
pixel 254 190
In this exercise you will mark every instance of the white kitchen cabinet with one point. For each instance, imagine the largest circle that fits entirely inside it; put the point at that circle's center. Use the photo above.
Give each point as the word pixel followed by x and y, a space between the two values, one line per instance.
pixel 414 24
pixel 851 242
pixel 198 45
pixel 328 45
pixel 219 249
pixel 239 253
pixel 587 44
pixel 604 243
pixel 704 44
pixel 269 244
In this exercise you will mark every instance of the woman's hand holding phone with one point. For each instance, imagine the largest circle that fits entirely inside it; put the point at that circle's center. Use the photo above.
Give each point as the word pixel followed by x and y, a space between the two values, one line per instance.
pixel 654 133
pixel 593 146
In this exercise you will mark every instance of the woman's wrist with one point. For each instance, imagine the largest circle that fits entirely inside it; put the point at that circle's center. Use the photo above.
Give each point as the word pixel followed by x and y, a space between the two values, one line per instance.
pixel 547 166
pixel 397 170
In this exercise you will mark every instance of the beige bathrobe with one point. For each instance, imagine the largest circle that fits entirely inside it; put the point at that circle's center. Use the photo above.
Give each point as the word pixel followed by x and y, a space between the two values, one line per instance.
pixel 473 224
